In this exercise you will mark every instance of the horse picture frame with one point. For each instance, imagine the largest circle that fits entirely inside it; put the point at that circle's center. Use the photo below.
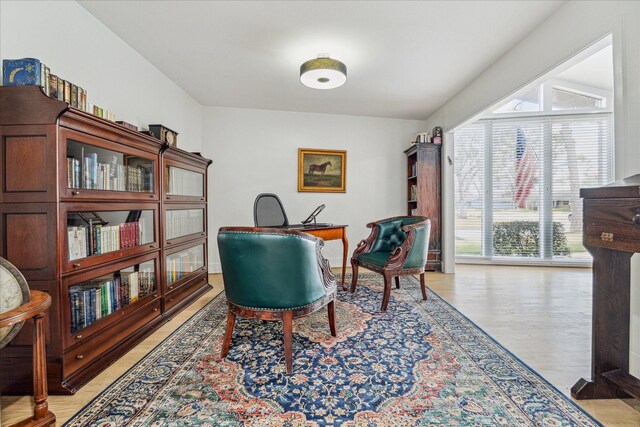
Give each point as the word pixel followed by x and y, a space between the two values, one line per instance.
pixel 322 171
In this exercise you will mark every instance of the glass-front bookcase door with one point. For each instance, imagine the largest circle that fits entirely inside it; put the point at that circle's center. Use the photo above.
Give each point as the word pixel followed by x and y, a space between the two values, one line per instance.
pixel 94 168
pixel 94 235
pixel 99 168
pixel 182 183
pixel 182 263
pixel 184 222
pixel 93 300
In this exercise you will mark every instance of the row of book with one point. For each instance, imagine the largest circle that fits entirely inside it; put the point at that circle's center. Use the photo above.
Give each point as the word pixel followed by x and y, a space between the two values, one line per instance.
pixel 413 212
pixel 89 173
pixel 95 239
pixel 184 182
pixel 414 169
pixel 93 300
pixel 31 71
pixel 182 222
pixel 182 263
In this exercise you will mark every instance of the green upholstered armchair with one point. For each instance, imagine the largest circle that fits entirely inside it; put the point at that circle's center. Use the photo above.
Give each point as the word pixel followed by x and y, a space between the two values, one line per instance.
pixel 396 246
pixel 274 274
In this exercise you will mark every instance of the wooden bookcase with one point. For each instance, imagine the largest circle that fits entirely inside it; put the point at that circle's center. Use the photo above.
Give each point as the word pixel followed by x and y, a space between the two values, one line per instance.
pixel 88 215
pixel 423 194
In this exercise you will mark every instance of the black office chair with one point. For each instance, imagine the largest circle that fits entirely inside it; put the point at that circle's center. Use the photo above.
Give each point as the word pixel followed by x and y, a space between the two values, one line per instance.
pixel 268 211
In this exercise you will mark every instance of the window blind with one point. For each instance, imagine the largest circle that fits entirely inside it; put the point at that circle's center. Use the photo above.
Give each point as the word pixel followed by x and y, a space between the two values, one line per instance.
pixel 518 182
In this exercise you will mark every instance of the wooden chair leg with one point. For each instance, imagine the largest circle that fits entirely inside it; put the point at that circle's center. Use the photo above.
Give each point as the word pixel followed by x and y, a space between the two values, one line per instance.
pixel 331 309
pixel 354 275
pixel 287 327
pixel 397 278
pixel 387 291
pixel 231 320
pixel 423 287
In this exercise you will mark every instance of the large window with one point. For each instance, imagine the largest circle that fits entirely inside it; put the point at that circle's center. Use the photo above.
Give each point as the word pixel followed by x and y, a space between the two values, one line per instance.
pixel 519 170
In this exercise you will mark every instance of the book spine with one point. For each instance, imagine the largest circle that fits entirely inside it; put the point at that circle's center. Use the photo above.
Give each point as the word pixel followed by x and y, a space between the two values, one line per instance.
pixel 60 90
pixel 53 86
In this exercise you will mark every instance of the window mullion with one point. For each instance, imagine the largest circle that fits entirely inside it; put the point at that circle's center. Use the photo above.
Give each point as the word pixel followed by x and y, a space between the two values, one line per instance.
pixel 487 223
pixel 546 225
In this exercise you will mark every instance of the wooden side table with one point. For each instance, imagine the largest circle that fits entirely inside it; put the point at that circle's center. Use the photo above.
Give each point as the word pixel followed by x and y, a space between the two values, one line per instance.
pixel 35 309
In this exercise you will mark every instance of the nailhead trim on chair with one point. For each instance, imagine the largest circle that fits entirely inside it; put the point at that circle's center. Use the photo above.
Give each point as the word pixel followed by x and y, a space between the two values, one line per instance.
pixel 262 233
pixel 281 309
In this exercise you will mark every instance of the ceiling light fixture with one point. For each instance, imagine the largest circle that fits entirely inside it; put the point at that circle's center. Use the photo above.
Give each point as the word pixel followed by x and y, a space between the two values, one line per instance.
pixel 323 73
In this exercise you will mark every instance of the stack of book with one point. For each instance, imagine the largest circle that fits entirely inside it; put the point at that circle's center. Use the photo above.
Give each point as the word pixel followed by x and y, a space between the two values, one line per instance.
pixel 95 239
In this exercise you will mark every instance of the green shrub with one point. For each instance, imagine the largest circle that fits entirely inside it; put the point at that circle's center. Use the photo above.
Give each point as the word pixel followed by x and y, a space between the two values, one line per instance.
pixel 521 238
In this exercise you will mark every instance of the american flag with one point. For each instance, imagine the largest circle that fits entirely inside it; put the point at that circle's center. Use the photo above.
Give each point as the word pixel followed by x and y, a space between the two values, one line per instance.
pixel 525 174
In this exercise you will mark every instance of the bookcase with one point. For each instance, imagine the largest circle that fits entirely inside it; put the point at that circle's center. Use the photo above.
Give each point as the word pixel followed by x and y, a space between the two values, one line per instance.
pixel 184 238
pixel 111 223
pixel 423 194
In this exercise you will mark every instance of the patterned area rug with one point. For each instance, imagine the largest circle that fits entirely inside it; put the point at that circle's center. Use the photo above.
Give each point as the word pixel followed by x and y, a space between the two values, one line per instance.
pixel 420 363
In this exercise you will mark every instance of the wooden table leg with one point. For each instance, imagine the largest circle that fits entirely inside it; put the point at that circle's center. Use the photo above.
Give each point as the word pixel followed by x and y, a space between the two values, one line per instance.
pixel 41 414
pixel 345 252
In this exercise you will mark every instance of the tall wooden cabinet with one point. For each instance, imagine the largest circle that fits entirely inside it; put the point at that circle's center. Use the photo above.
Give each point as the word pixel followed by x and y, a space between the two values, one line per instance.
pixel 101 218
pixel 423 194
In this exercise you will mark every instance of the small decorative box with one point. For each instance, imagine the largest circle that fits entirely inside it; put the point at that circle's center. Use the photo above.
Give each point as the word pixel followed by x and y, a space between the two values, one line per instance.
pixel 164 134
pixel 21 72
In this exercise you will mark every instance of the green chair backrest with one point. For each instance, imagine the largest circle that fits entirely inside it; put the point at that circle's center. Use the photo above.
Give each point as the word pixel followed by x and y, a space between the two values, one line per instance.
pixel 270 269
pixel 390 236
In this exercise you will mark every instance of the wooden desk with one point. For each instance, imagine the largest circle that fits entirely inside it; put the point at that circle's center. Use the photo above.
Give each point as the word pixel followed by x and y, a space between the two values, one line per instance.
pixel 329 232
pixel 611 233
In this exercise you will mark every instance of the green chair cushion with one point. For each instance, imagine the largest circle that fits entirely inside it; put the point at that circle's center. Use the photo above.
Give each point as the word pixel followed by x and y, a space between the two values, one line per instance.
pixel 374 258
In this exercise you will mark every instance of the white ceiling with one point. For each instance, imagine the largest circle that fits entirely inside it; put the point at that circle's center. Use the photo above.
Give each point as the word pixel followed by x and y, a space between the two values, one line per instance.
pixel 404 58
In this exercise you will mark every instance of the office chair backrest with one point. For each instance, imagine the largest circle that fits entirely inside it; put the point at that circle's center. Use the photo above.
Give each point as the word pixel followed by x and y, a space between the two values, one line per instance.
pixel 268 211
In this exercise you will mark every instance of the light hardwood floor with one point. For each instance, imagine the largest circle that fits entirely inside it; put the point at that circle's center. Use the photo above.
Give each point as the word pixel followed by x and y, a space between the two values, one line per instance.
pixel 542 315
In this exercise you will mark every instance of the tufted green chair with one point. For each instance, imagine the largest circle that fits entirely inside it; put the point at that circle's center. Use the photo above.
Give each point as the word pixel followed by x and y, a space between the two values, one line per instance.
pixel 274 274
pixel 396 246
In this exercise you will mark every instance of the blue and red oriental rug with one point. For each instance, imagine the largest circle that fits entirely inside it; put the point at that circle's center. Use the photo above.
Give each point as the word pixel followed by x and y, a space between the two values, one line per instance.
pixel 421 363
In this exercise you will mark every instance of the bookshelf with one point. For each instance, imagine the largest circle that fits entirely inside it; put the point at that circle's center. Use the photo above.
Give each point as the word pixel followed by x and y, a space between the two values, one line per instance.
pixel 111 223
pixel 184 213
pixel 423 194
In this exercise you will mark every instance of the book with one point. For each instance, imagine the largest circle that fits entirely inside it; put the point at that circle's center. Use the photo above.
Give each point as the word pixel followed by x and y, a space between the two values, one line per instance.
pixel 60 91
pixel 21 72
pixel 53 86
pixel 46 84
pixel 74 95
pixel 67 92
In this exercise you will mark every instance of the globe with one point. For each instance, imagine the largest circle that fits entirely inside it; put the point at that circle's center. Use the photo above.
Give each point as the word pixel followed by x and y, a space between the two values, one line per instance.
pixel 14 292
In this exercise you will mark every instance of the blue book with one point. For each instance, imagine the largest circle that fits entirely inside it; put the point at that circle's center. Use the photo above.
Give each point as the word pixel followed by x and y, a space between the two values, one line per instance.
pixel 21 72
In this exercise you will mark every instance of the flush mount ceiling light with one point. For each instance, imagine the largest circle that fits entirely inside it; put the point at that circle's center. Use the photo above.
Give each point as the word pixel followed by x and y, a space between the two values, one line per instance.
pixel 323 73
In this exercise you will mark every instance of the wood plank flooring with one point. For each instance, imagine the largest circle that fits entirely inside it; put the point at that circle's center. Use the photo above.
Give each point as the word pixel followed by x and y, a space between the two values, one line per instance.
pixel 542 315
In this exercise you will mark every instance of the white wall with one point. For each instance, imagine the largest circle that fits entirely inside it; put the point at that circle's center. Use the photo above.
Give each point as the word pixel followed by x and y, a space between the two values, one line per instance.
pixel 256 151
pixel 79 48
pixel 572 28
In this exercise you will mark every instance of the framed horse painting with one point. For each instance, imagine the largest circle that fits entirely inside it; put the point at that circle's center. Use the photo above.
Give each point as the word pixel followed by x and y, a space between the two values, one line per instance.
pixel 322 170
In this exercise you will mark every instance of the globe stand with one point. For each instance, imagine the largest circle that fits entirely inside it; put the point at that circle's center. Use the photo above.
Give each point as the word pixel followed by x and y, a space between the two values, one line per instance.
pixel 34 309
